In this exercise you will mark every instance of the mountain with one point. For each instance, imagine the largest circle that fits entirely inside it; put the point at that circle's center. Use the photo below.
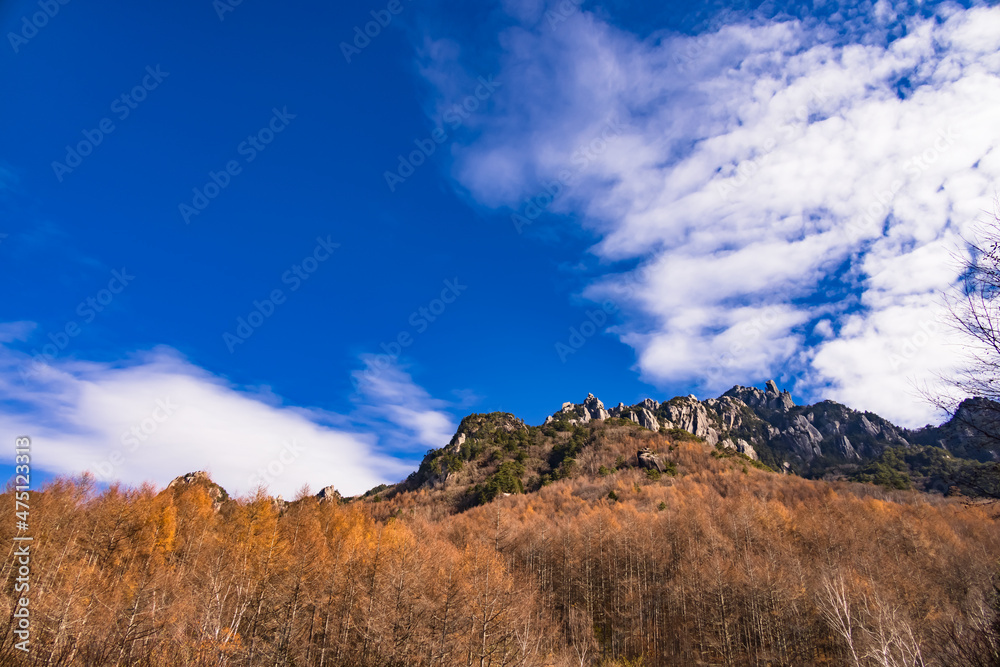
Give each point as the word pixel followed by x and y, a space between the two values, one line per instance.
pixel 766 425
pixel 657 534
pixel 497 453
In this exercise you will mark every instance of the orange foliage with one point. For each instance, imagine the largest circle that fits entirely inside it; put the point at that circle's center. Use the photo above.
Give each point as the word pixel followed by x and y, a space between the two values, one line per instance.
pixel 712 566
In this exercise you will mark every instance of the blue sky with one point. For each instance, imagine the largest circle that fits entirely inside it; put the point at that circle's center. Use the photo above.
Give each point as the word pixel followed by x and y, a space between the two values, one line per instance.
pixel 740 192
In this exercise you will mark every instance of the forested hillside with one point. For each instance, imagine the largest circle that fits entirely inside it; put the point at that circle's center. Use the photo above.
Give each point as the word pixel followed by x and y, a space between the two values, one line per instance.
pixel 572 544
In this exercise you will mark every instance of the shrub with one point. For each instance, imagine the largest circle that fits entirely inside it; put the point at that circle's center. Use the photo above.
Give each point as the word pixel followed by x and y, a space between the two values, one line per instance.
pixel 507 479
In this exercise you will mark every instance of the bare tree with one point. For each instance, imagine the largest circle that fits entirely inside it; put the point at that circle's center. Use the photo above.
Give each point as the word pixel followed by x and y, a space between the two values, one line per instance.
pixel 835 606
pixel 975 315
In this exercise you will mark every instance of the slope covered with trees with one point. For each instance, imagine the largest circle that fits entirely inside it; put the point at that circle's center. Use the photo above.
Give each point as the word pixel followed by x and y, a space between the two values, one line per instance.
pixel 522 546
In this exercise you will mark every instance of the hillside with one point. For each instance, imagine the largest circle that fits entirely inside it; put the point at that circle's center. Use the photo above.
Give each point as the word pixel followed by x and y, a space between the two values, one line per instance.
pixel 497 453
pixel 588 540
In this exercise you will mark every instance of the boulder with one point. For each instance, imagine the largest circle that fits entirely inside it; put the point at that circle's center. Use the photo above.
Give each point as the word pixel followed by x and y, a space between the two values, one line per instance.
pixel 648 460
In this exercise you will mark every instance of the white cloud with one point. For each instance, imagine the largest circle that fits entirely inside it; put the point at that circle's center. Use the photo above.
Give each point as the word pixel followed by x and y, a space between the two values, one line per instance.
pixel 767 167
pixel 157 416
pixel 390 401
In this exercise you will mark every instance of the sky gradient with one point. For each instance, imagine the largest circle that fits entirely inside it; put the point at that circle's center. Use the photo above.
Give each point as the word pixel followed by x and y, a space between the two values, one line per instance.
pixel 253 237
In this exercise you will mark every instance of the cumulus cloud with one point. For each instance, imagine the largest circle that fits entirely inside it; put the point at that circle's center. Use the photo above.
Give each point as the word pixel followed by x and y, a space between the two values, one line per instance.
pixel 791 190
pixel 156 416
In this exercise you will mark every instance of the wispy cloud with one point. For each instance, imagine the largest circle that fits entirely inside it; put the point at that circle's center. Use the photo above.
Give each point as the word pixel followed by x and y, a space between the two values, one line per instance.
pixel 389 401
pixel 156 415
pixel 791 190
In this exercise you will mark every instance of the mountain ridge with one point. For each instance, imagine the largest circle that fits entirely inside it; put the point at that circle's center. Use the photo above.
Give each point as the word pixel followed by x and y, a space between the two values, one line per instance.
pixel 765 426
pixel 497 453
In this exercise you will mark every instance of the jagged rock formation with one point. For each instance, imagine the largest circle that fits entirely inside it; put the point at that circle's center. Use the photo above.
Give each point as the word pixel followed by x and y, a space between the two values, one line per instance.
pixel 593 407
pixel 646 419
pixel 974 431
pixel 689 414
pixel 190 478
pixel 590 409
pixel 741 446
pixel 495 455
pixel 279 504
pixel 492 456
pixel 766 425
pixel 328 494
pixel 455 446
pixel 641 414
pixel 803 439
pixel 770 399
pixel 201 478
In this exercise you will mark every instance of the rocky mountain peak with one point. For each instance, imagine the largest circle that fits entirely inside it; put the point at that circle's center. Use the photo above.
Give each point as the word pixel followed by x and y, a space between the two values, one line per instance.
pixel 771 399
pixel 190 478
pixel 765 424
pixel 594 407
pixel 201 478
pixel 482 425
pixel 580 413
pixel 328 494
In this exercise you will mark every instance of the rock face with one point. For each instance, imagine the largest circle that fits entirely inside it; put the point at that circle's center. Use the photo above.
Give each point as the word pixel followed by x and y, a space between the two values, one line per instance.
pixel 201 478
pixel 741 446
pixel 646 419
pixel 803 438
pixel 593 407
pixel 691 415
pixel 581 413
pixel 967 434
pixel 191 478
pixel 770 399
pixel 455 446
pixel 328 495
pixel 648 460
pixel 846 449
pixel 766 425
